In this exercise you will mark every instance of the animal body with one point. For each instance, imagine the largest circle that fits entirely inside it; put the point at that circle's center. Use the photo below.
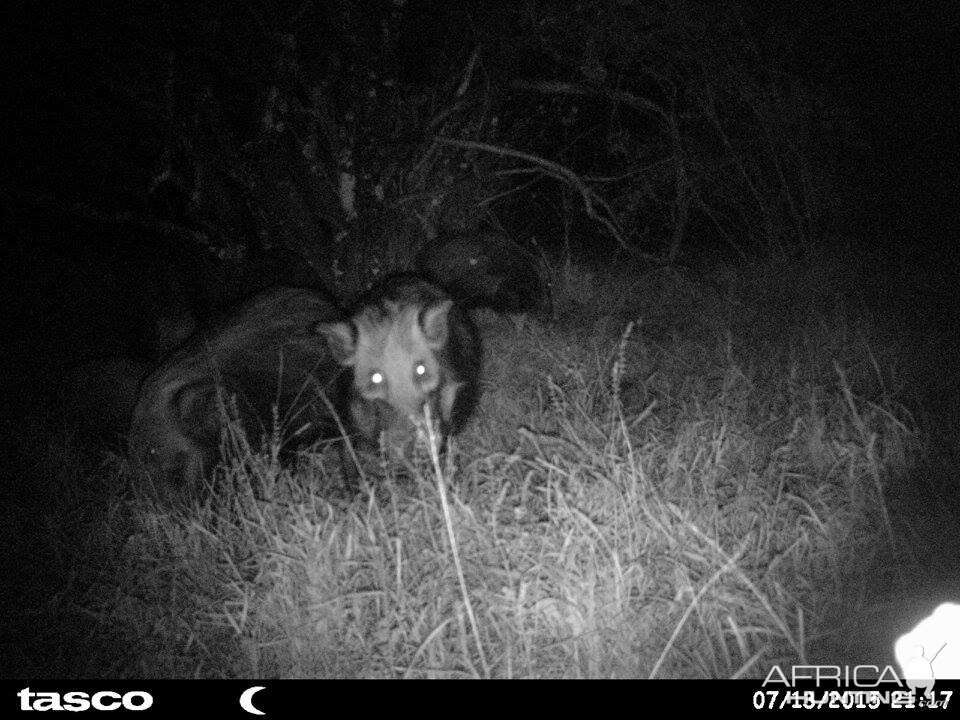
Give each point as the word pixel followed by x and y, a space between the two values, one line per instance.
pixel 406 344
pixel 261 358
pixel 368 374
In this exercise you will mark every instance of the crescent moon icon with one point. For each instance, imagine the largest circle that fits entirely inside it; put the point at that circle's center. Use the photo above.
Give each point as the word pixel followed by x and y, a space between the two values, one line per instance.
pixel 246 700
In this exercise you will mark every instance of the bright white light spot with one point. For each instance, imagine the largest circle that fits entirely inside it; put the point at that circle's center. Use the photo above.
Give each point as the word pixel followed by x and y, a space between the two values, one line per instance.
pixel 421 369
pixel 931 651
pixel 376 378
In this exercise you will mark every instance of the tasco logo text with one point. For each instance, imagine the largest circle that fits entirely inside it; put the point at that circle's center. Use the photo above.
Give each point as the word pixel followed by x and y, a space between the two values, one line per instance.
pixel 81 701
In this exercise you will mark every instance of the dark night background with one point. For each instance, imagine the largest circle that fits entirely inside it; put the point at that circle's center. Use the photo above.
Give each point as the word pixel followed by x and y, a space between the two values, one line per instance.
pixel 163 161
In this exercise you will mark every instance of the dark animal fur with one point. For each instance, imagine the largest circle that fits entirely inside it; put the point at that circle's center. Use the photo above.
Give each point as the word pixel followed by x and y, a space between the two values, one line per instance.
pixel 264 356
pixel 425 350
pixel 485 270
pixel 288 348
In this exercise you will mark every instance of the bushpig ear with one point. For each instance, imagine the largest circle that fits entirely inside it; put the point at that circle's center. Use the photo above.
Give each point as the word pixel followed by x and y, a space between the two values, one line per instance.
pixel 435 323
pixel 340 339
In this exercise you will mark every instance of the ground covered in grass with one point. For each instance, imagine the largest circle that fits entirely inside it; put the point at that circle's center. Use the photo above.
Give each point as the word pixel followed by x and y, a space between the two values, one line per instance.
pixel 675 474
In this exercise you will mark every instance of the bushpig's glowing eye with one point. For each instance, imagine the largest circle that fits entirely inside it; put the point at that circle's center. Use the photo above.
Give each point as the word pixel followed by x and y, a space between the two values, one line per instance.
pixel 376 378
pixel 420 369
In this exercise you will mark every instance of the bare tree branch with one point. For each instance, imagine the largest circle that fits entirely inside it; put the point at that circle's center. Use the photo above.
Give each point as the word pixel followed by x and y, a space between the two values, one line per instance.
pixel 591 201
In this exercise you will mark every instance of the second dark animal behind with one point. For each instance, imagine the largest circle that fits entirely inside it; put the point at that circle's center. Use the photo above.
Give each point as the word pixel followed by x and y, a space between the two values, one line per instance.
pixel 486 270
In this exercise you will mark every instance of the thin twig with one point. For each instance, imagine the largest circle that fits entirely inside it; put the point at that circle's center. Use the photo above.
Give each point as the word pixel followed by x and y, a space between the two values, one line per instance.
pixel 591 201
pixel 433 443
